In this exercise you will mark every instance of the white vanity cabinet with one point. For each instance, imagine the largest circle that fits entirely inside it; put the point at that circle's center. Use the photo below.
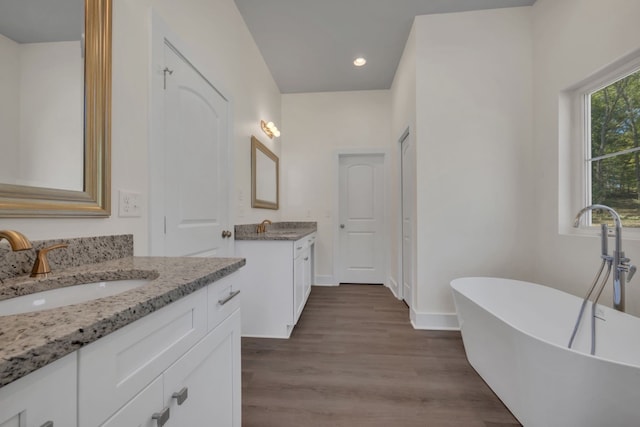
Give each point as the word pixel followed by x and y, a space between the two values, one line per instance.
pixel 276 284
pixel 200 389
pixel 178 366
pixel 44 398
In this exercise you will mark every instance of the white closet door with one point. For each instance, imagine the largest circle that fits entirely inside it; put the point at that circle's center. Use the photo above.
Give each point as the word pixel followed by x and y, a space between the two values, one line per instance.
pixel 362 249
pixel 196 167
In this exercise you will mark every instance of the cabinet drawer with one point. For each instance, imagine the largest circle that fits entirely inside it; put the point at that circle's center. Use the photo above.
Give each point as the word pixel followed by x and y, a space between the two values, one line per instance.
pixel 300 245
pixel 223 298
pixel 115 368
pixel 311 239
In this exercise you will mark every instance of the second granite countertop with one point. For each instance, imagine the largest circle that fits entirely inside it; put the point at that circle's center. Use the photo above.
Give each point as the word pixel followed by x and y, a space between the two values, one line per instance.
pixel 32 340
pixel 292 230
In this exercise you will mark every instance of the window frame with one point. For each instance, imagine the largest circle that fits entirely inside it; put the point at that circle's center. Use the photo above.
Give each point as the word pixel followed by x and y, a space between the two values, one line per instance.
pixel 581 130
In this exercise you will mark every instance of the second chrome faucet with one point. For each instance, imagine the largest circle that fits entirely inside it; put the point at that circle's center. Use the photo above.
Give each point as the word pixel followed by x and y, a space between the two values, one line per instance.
pixel 262 227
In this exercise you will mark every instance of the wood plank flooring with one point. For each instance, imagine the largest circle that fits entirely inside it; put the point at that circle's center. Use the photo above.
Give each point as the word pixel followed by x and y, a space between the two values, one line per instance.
pixel 354 360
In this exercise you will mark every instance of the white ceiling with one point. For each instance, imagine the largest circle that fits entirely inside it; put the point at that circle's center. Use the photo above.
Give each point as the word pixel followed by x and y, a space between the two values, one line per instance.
pixel 310 45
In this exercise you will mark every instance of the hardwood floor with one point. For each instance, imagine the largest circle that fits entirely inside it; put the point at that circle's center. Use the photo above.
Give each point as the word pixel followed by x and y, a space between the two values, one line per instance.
pixel 354 360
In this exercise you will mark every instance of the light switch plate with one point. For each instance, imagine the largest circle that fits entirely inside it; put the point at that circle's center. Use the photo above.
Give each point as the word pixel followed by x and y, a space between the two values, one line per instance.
pixel 129 204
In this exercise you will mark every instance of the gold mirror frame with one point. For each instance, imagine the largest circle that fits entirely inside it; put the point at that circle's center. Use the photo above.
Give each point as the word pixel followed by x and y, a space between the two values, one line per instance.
pixel 95 200
pixel 255 202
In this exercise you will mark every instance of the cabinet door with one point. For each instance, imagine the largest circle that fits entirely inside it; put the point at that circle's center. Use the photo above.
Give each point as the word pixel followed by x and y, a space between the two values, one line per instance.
pixel 208 379
pixel 298 286
pixel 138 412
pixel 307 274
pixel 46 395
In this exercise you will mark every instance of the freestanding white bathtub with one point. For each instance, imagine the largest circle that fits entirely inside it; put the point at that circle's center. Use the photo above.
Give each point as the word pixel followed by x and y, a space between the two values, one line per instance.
pixel 515 335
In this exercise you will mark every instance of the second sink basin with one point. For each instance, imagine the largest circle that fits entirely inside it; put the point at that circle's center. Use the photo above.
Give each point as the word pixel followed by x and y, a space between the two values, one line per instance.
pixel 67 295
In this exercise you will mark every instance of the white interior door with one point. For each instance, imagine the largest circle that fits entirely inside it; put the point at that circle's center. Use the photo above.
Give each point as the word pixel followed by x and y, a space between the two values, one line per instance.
pixel 195 161
pixel 361 219
pixel 407 208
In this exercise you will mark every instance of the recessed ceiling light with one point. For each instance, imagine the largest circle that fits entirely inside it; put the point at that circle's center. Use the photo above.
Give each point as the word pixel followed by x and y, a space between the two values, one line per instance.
pixel 359 62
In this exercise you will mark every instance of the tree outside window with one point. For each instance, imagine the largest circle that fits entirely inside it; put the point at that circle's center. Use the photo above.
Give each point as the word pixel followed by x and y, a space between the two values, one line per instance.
pixel 614 162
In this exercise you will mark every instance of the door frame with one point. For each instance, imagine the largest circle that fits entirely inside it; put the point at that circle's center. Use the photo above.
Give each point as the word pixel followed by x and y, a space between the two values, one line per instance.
pixel 407 134
pixel 161 34
pixel 337 154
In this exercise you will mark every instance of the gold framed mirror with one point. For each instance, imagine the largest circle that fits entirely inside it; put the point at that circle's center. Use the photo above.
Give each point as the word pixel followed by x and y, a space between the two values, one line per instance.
pixel 265 177
pixel 93 199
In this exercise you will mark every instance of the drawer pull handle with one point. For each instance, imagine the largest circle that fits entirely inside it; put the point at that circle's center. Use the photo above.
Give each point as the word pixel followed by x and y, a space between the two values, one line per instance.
pixel 299 247
pixel 229 297
pixel 47 424
pixel 181 396
pixel 161 417
pixel 306 258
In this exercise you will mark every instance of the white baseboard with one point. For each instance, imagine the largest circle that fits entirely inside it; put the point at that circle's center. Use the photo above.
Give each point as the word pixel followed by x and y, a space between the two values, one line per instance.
pixel 393 285
pixel 435 321
pixel 325 281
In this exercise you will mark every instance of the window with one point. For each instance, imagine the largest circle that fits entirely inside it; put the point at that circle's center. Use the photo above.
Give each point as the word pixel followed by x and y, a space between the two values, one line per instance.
pixel 613 149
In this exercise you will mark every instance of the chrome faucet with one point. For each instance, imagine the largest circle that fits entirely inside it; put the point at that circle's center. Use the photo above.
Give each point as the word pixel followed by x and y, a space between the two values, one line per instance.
pixel 17 241
pixel 623 270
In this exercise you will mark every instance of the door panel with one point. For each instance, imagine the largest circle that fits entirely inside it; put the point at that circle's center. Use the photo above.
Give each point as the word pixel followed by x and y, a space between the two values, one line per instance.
pixel 211 379
pixel 361 249
pixel 408 198
pixel 361 199
pixel 361 192
pixel 196 170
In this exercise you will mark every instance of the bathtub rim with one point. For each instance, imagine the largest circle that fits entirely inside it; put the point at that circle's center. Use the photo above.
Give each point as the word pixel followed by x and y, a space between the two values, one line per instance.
pixel 501 318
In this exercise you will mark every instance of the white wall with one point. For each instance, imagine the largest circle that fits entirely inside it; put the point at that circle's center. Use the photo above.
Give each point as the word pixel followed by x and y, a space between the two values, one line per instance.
pixel 221 43
pixel 9 102
pixel 573 39
pixel 403 118
pixel 314 126
pixel 474 127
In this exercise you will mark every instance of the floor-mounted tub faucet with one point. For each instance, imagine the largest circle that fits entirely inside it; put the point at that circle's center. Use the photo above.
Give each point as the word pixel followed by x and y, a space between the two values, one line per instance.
pixel 623 271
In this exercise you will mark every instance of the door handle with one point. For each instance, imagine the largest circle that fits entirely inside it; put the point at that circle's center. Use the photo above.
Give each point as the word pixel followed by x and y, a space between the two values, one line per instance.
pixel 181 395
pixel 341 225
pixel 161 417
pixel 228 298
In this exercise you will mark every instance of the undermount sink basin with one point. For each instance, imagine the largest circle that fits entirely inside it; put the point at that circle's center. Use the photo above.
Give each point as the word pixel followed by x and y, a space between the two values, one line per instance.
pixel 68 295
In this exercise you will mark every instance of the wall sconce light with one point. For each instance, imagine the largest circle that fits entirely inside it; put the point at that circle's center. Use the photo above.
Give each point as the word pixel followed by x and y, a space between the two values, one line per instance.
pixel 270 129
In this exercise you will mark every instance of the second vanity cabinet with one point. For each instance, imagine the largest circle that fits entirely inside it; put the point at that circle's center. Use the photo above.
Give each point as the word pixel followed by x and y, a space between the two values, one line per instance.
pixel 277 281
pixel 179 366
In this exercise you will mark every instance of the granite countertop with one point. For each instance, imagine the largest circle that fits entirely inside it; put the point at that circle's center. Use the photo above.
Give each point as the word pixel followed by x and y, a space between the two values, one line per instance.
pixel 32 340
pixel 276 231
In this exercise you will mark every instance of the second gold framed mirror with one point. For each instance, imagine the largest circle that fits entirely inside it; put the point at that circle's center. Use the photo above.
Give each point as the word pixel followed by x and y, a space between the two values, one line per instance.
pixel 265 177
